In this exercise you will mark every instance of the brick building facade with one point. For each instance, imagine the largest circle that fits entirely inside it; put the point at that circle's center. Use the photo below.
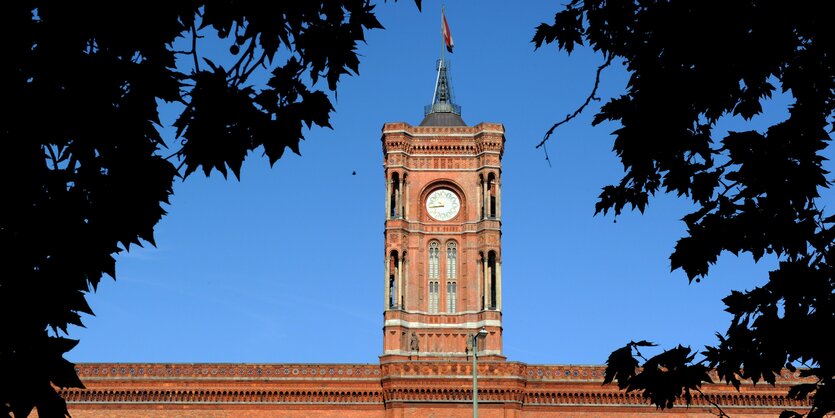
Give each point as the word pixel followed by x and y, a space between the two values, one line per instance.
pixel 442 305
pixel 399 389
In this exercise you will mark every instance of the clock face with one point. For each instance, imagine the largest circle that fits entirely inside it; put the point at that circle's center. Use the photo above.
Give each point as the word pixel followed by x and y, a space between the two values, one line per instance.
pixel 443 204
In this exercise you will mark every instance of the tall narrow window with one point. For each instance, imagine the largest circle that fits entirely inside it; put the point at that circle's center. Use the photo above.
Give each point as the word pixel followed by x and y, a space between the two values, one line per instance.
pixel 451 277
pixel 394 198
pixel 434 253
pixel 482 188
pixel 394 276
pixel 491 195
pixel 491 271
pixel 403 196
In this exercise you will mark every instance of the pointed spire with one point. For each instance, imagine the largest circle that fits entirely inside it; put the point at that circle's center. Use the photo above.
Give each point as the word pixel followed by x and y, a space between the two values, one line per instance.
pixel 443 111
pixel 442 98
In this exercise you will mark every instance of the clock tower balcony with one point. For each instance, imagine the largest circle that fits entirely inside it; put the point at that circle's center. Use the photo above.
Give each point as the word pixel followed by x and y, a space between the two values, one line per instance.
pixel 422 336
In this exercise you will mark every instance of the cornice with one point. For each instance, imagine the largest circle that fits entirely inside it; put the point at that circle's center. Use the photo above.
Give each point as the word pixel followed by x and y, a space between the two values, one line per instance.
pixel 460 141
pixel 135 372
pixel 416 226
pixel 402 127
pixel 472 325
pixel 372 385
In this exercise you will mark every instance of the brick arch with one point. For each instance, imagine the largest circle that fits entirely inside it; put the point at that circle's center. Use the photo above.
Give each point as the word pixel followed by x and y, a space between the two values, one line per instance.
pixel 442 183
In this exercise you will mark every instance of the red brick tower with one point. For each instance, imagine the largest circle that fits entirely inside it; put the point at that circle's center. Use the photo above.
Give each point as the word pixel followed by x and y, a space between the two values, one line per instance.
pixel 443 275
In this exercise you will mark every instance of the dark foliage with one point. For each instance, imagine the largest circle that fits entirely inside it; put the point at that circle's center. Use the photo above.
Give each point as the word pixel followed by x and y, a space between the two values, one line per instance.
pixel 692 63
pixel 83 172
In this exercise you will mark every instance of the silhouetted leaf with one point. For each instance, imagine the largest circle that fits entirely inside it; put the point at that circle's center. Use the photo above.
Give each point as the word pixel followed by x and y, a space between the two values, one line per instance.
pixel 801 391
pixel 620 367
pixel 755 190
pixel 91 174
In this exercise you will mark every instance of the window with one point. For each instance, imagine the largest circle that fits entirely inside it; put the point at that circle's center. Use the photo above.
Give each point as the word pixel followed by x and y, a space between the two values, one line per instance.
pixel 434 255
pixel 394 276
pixel 491 195
pixel 451 276
pixel 491 271
pixel 394 197
pixel 482 190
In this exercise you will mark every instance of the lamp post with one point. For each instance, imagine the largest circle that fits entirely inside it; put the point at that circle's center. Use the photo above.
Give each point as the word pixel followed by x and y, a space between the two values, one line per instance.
pixel 481 333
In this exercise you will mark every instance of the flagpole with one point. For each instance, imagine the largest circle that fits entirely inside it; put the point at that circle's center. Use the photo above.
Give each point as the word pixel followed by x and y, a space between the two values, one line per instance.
pixel 443 45
pixel 438 77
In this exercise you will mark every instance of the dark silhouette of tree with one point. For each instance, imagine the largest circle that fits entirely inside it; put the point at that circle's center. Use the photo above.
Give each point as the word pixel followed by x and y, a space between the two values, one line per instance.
pixel 84 173
pixel 690 64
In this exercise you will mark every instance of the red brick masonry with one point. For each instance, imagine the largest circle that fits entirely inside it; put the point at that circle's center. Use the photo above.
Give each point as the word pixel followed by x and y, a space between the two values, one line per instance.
pixel 397 389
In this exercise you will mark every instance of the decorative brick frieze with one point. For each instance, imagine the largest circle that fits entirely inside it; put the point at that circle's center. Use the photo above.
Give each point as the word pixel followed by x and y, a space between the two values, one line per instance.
pixel 541 390
pixel 222 396
pixel 486 394
pixel 136 372
pixel 603 398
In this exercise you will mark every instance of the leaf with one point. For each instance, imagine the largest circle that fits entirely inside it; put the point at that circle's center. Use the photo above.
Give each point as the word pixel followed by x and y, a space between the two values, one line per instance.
pixel 802 391
pixel 567 30
pixel 22 408
pixel 737 303
pixel 756 191
pixel 105 186
pixel 620 367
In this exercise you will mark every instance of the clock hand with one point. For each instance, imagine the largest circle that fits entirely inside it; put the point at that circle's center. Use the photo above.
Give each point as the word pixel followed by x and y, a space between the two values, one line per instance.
pixel 437 206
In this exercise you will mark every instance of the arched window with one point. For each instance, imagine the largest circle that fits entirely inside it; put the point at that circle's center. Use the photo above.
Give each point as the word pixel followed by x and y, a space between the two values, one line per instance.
pixel 451 276
pixel 434 255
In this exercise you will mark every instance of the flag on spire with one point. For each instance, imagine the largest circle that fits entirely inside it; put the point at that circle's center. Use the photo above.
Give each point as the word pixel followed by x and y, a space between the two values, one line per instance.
pixel 446 33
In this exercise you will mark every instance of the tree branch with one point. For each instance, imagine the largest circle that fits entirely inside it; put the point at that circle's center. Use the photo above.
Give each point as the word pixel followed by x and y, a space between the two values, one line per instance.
pixel 194 48
pixel 592 96
pixel 545 150
pixel 248 71
pixel 246 56
pixel 721 413
pixel 52 156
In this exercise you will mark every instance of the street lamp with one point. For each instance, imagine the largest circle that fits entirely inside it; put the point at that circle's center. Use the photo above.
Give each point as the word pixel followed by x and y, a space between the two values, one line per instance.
pixel 481 333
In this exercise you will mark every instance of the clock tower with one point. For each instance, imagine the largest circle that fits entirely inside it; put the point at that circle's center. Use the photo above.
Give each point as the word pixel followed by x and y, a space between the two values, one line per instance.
pixel 443 274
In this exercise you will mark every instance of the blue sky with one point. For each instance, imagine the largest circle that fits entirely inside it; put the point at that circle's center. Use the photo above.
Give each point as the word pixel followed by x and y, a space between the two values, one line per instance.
pixel 287 264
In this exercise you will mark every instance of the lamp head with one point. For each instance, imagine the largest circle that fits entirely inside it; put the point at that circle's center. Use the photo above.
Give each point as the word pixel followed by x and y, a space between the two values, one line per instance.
pixel 482 333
